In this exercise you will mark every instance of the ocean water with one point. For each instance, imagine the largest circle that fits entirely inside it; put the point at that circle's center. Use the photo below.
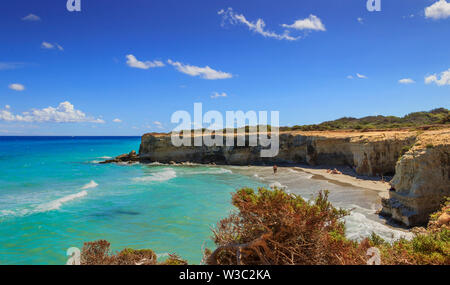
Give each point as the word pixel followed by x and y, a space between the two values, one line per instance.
pixel 54 195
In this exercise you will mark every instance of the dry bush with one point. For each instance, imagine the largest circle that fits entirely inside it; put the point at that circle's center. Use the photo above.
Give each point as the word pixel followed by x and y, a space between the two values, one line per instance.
pixel 99 253
pixel 273 227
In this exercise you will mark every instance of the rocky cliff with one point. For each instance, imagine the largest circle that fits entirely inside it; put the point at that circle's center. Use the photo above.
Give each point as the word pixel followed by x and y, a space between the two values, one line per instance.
pixel 419 160
pixel 422 179
pixel 371 153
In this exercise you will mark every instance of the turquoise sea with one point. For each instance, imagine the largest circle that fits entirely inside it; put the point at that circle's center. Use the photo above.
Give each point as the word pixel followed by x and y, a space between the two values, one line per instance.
pixel 54 195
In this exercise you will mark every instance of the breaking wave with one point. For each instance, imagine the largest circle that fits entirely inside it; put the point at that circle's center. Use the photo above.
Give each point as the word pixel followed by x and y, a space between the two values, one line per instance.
pixel 164 175
pixel 52 205
pixel 359 226
pixel 56 204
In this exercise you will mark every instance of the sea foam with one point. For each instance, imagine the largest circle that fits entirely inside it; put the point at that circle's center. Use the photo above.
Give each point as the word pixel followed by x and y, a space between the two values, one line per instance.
pixel 211 171
pixel 90 185
pixel 359 226
pixel 164 175
pixel 56 204
pixel 52 205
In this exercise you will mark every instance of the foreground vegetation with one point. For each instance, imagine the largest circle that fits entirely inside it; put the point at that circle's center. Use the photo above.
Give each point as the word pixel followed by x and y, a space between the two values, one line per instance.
pixel 273 227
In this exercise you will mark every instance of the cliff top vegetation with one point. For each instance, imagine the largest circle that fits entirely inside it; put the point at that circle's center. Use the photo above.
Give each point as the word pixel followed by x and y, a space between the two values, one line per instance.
pixel 435 117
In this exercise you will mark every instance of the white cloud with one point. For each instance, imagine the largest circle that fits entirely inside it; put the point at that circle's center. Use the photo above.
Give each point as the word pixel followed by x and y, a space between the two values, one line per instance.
pixel 31 18
pixel 257 27
pixel 439 10
pixel 16 87
pixel 406 81
pixel 434 78
pixel 312 23
pixel 7 107
pixel 64 113
pixel 47 45
pixel 10 65
pixel 132 61
pixel 204 72
pixel 358 75
pixel 158 124
pixel 361 76
pixel 218 95
pixel 360 20
pixel 117 120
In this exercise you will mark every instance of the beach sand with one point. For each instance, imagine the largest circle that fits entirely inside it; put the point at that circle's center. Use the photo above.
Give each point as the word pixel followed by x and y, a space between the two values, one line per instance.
pixel 347 178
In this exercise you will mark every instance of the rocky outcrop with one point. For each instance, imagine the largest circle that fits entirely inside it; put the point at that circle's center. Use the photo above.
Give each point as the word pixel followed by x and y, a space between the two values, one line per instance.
pixel 421 181
pixel 124 158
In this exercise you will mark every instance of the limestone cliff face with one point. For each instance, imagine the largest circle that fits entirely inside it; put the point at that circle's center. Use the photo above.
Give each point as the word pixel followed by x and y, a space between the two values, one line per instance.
pixel 369 153
pixel 422 179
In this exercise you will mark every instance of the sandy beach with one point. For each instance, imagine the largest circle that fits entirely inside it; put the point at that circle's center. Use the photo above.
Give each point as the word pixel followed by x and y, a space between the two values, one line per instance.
pixel 348 179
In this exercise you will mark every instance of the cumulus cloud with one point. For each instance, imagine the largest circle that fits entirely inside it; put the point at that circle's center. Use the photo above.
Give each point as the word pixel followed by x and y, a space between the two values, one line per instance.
pixel 216 95
pixel 16 87
pixel 31 18
pixel 349 76
pixel 258 27
pixel 443 80
pixel 360 20
pixel 406 81
pixel 204 72
pixel 133 62
pixel 64 113
pixel 312 23
pixel 117 120
pixel 439 10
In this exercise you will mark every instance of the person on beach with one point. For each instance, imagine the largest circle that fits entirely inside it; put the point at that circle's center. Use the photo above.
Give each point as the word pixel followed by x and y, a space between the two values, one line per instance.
pixel 275 168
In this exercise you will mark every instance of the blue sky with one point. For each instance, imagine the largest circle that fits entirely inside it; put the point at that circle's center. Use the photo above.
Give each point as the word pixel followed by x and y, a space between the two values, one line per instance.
pixel 314 60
